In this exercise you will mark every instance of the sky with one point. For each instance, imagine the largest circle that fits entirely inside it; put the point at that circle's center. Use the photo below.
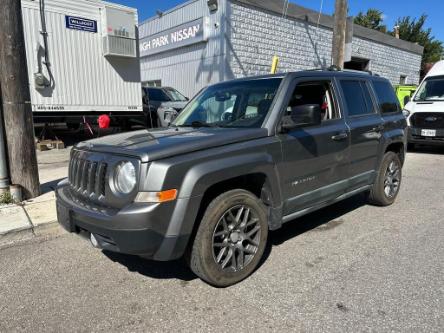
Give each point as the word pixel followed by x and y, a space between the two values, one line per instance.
pixel 392 9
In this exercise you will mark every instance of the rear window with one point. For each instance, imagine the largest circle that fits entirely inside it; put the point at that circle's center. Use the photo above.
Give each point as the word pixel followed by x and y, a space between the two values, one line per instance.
pixel 357 98
pixel 387 100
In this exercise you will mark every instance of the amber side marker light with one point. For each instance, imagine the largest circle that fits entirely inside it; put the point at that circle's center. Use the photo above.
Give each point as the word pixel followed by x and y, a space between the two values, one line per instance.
pixel 157 197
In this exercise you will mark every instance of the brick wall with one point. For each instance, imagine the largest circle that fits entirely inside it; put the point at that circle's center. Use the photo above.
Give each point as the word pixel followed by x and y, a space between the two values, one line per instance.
pixel 255 36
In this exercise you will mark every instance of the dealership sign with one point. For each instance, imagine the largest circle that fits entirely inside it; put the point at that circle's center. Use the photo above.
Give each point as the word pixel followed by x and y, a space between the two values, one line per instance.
pixel 183 35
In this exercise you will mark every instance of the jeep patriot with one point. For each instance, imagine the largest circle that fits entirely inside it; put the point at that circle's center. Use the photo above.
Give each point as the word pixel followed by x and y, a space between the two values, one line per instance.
pixel 242 158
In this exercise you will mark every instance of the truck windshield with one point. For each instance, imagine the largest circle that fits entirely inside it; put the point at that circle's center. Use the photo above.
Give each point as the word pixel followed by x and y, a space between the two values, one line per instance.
pixel 431 90
pixel 232 104
pixel 175 95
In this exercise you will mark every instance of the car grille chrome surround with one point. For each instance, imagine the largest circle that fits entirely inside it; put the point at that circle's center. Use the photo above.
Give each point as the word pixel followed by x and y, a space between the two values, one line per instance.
pixel 86 177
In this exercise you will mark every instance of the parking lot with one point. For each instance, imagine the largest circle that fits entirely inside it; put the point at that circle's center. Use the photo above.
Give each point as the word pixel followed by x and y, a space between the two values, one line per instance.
pixel 348 268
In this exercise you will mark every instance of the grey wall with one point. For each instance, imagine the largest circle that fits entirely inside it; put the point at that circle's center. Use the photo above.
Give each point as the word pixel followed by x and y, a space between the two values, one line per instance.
pixel 257 35
pixel 193 67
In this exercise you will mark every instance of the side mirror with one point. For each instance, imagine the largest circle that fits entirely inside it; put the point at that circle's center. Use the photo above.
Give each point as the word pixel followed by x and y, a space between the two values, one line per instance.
pixel 406 99
pixel 302 116
pixel 187 98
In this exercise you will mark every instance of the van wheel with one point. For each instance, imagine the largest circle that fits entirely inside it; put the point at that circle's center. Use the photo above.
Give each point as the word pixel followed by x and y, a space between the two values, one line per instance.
pixel 388 182
pixel 231 239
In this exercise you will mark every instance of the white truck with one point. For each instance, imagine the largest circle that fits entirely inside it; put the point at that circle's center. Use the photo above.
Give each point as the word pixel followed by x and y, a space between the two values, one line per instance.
pixel 82 60
pixel 425 111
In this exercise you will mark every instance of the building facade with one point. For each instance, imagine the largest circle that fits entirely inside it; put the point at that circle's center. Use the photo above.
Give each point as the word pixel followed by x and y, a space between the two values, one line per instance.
pixel 202 42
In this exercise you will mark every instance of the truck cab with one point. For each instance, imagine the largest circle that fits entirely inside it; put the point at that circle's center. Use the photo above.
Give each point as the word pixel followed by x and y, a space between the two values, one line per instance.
pixel 425 111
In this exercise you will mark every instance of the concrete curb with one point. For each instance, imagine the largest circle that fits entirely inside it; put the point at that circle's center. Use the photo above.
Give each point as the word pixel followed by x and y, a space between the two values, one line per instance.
pixel 27 221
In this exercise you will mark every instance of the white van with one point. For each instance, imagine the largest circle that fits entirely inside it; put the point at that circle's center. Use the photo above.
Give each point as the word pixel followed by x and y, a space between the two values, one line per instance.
pixel 425 111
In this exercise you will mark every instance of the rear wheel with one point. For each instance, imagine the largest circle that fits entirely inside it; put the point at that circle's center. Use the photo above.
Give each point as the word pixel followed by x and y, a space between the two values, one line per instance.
pixel 231 239
pixel 388 182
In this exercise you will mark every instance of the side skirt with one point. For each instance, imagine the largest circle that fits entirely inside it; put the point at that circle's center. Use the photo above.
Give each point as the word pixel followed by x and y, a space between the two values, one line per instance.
pixel 309 210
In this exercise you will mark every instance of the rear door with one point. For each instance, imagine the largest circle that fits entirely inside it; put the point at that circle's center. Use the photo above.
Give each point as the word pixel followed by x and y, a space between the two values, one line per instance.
pixel 315 159
pixel 366 128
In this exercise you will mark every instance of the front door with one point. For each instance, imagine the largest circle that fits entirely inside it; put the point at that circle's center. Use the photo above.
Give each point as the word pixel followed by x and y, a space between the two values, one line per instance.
pixel 315 160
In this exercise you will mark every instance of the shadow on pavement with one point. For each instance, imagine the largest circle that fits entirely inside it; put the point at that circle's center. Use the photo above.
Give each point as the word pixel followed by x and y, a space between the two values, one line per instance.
pixel 176 269
pixel 423 149
pixel 49 186
pixel 325 219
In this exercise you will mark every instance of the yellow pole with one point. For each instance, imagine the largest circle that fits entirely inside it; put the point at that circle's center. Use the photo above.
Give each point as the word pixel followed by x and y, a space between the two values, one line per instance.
pixel 274 65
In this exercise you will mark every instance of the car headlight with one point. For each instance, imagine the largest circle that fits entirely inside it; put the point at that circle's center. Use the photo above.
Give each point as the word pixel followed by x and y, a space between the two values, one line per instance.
pixel 406 113
pixel 125 177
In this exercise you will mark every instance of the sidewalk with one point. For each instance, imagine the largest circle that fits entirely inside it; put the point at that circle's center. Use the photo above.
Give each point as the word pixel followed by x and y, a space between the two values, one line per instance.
pixel 36 217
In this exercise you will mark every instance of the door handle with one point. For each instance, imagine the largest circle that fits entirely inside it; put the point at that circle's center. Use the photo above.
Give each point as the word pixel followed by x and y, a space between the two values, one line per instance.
pixel 340 136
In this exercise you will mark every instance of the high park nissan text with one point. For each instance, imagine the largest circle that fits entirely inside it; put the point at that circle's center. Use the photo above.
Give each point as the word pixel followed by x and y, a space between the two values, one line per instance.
pixel 242 158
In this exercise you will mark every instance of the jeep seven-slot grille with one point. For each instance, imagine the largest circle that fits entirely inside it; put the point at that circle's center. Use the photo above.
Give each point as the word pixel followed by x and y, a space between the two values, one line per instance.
pixel 428 120
pixel 87 177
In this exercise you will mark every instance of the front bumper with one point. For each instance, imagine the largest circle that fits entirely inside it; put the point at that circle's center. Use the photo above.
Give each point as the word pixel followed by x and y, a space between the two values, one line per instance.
pixel 414 136
pixel 138 229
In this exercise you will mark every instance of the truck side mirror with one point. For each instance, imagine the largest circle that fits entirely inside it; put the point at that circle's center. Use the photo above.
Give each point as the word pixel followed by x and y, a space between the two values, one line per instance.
pixel 302 116
pixel 406 99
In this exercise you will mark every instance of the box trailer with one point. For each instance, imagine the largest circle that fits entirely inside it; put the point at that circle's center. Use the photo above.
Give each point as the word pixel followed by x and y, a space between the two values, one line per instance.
pixel 82 59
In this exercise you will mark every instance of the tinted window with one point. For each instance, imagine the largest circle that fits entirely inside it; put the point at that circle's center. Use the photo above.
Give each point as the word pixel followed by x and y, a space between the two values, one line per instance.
pixel 386 97
pixel 158 95
pixel 357 98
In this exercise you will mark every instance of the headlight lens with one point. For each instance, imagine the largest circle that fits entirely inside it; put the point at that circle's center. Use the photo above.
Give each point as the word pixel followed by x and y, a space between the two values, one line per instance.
pixel 125 177
pixel 406 113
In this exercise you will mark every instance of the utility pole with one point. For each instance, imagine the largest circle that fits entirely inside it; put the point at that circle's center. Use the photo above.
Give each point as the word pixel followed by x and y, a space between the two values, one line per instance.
pixel 17 112
pixel 339 33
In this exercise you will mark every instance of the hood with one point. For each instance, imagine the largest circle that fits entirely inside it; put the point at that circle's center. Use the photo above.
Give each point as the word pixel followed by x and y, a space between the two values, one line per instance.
pixel 150 145
pixel 178 106
pixel 427 106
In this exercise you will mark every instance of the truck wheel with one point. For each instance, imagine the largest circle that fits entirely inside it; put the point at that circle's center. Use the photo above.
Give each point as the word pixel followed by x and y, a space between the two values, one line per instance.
pixel 388 182
pixel 231 239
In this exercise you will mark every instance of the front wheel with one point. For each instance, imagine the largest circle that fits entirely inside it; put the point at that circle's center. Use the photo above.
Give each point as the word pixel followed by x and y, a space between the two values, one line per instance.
pixel 388 182
pixel 231 239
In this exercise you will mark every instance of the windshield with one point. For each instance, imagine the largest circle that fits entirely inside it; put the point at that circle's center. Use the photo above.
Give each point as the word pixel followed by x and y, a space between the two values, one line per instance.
pixel 175 95
pixel 431 90
pixel 231 104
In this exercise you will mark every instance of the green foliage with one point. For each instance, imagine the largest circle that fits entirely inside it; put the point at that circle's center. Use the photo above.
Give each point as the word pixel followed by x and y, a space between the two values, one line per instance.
pixel 373 19
pixel 413 30
pixel 6 198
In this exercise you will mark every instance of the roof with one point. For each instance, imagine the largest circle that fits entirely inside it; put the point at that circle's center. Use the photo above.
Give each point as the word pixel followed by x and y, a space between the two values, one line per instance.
pixel 327 21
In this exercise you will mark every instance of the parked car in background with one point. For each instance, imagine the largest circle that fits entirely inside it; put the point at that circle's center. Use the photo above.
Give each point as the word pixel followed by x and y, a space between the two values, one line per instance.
pixel 405 93
pixel 211 186
pixel 425 111
pixel 161 105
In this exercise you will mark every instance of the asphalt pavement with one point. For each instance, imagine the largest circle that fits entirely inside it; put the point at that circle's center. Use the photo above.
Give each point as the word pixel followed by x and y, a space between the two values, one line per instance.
pixel 348 268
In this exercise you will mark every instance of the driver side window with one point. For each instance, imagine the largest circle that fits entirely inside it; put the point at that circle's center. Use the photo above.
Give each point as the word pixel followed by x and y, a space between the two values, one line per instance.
pixel 315 93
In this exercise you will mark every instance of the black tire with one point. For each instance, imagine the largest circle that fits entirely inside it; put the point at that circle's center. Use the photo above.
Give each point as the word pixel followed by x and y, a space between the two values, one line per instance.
pixel 203 259
pixel 386 188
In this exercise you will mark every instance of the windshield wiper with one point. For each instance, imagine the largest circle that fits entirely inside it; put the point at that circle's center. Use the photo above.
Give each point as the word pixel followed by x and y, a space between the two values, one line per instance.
pixel 197 124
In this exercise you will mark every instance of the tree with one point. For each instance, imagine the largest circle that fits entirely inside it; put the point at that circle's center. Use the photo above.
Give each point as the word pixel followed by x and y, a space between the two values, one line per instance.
pixel 373 19
pixel 413 30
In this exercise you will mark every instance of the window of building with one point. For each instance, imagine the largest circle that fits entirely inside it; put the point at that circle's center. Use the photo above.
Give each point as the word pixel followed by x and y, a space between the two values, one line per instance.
pixel 387 99
pixel 154 83
pixel 357 98
pixel 358 64
pixel 318 93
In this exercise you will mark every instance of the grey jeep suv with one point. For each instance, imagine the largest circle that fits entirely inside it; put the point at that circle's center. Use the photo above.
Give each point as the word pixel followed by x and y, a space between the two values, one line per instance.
pixel 242 158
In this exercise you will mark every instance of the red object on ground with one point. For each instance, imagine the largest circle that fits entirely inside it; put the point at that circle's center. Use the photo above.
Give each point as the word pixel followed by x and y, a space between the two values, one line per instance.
pixel 104 121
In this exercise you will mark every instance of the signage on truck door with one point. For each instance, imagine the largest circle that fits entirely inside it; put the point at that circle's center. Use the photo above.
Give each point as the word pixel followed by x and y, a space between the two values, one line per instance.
pixel 78 23
pixel 183 35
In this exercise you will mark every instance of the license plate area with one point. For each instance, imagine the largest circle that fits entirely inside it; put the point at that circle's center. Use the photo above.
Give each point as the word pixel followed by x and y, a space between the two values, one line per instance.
pixel 428 132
